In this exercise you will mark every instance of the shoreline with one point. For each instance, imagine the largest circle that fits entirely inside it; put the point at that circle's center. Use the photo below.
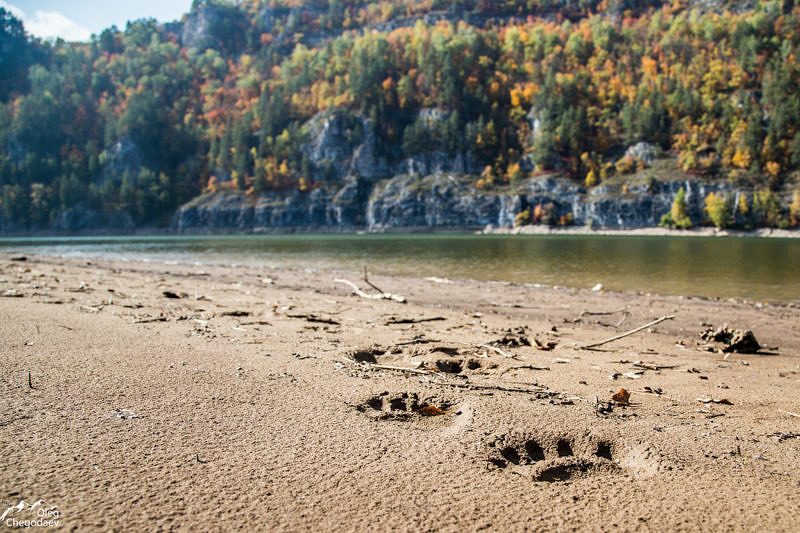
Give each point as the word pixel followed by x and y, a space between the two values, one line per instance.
pixel 539 229
pixel 160 249
pixel 646 231
pixel 408 278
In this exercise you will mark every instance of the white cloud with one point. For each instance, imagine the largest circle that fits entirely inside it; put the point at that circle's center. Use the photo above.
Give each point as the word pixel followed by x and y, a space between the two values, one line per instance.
pixel 49 24
pixel 17 12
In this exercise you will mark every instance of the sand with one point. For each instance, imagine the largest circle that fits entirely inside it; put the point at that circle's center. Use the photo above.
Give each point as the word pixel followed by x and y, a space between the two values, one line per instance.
pixel 236 405
pixel 697 231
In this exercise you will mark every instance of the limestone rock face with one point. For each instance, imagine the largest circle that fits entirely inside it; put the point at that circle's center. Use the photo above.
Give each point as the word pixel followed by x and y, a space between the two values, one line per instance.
pixel 123 156
pixel 643 151
pixel 435 201
pixel 334 136
pixel 214 26
pixel 427 163
pixel 439 200
pixel 343 144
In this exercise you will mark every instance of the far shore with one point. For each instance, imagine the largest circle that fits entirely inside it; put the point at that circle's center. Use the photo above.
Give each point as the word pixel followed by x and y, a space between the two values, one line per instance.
pixel 490 229
pixel 646 231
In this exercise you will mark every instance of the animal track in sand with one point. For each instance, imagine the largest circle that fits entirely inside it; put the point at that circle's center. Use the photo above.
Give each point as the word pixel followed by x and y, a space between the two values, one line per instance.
pixel 406 405
pixel 548 459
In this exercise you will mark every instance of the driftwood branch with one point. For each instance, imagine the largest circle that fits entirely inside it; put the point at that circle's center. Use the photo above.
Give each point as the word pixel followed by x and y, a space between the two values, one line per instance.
pixel 400 369
pixel 541 392
pixel 387 367
pixel 623 310
pixel 472 386
pixel 395 321
pixel 416 341
pixel 627 333
pixel 149 320
pixel 528 367
pixel 368 282
pixel 602 313
pixel 314 318
pixel 381 296
pixel 622 319
pixel 496 349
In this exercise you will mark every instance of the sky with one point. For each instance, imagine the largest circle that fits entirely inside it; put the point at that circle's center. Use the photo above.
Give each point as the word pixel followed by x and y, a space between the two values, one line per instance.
pixel 77 20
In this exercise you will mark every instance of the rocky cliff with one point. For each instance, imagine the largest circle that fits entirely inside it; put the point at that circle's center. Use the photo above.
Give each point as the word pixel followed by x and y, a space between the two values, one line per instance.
pixel 361 188
pixel 439 201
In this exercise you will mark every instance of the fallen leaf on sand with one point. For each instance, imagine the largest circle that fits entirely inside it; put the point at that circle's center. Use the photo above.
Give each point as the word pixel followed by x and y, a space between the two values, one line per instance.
pixel 545 346
pixel 622 397
pixel 430 410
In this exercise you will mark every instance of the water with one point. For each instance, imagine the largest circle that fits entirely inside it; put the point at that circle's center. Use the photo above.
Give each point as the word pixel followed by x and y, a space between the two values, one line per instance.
pixel 752 268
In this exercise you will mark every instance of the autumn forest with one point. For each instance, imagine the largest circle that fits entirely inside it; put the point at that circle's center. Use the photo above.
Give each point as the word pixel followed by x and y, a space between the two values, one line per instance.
pixel 144 118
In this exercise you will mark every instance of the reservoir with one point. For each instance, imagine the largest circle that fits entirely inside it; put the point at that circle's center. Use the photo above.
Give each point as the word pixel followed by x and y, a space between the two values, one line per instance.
pixel 760 269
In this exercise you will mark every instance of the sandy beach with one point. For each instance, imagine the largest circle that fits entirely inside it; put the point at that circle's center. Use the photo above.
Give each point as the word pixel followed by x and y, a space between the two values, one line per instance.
pixel 144 396
pixel 697 231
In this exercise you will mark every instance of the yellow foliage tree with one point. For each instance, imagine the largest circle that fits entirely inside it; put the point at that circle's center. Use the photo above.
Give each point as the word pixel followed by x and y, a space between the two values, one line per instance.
pixel 523 218
pixel 773 169
pixel 625 165
pixel 677 217
pixel 794 208
pixel 591 179
pixel 742 158
pixel 717 209
pixel 212 185
pixel 742 206
pixel 514 173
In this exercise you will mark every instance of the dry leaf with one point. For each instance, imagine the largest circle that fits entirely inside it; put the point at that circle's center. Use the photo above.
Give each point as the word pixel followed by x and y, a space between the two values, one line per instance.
pixel 547 346
pixel 622 397
pixel 430 410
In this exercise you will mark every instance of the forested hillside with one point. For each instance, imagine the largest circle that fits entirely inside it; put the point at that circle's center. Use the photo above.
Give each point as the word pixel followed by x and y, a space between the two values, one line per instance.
pixel 143 119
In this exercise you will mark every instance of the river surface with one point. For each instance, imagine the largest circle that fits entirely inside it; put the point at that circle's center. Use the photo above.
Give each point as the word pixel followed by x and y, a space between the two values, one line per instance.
pixel 751 268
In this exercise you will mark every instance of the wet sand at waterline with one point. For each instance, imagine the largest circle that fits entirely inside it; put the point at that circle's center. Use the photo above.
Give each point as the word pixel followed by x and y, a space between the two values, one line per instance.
pixel 159 396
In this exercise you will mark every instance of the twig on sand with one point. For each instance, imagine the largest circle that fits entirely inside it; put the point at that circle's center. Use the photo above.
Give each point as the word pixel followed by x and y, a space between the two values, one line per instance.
pixel 395 321
pixel 652 366
pixel 416 341
pixel 473 386
pixel 368 282
pixel 541 392
pixel 314 318
pixel 149 320
pixel 387 367
pixel 400 369
pixel 627 333
pixel 30 383
pixel 527 367
pixel 789 413
pixel 583 313
pixel 381 296
pixel 498 350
